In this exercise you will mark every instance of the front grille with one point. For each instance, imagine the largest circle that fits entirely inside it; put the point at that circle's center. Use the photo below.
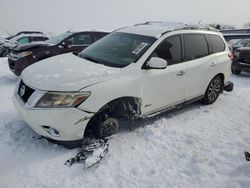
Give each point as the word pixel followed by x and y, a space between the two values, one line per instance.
pixel 245 57
pixel 24 91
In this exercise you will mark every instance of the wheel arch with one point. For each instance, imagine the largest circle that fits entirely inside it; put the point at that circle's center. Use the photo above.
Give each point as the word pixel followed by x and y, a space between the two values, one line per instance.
pixel 127 106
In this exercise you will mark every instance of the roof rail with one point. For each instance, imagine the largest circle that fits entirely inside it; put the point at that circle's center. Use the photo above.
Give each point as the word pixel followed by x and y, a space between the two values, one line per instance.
pixel 193 27
pixel 201 27
pixel 173 26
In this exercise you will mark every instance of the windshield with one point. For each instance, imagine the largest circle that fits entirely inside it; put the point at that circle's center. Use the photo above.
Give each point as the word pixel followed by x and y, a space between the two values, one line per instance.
pixel 118 49
pixel 59 38
pixel 14 39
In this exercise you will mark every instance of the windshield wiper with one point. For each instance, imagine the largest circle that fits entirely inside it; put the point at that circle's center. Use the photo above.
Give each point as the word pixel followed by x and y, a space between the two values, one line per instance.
pixel 90 59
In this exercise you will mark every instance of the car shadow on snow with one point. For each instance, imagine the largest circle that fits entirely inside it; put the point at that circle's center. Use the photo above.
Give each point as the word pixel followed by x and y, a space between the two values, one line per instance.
pixel 21 136
pixel 129 125
pixel 242 75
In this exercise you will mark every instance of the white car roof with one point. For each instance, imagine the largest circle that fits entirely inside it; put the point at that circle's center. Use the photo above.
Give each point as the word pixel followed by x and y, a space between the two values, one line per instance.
pixel 156 29
pixel 28 35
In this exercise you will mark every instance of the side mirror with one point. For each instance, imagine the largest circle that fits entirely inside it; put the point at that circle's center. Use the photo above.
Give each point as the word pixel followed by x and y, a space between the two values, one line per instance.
pixel 157 63
pixel 66 44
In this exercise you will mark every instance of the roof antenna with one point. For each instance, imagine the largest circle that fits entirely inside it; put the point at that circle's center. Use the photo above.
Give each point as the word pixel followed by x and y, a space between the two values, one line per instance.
pixel 70 29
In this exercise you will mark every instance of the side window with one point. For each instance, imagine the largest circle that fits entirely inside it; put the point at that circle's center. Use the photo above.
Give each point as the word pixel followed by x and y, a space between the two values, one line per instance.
pixel 216 44
pixel 170 50
pixel 39 38
pixel 99 35
pixel 23 40
pixel 195 46
pixel 81 39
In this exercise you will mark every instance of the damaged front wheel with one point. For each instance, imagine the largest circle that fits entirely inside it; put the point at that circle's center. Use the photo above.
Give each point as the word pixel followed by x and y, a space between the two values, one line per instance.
pixel 107 127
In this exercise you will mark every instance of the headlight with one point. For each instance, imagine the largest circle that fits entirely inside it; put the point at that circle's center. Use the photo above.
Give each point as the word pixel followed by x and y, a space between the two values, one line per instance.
pixel 237 54
pixel 62 100
pixel 26 53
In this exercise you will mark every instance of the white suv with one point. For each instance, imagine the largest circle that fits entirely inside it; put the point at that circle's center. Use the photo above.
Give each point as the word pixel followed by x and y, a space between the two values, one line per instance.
pixel 134 72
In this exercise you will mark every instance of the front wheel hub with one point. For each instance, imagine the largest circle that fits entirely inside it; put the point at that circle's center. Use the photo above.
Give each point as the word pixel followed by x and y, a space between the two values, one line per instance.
pixel 110 126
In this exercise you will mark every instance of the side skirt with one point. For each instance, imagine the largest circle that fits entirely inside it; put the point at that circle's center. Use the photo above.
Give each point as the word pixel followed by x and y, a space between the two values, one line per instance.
pixel 172 108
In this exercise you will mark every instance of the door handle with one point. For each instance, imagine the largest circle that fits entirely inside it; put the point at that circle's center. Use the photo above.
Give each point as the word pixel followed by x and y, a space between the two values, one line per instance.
pixel 180 73
pixel 212 64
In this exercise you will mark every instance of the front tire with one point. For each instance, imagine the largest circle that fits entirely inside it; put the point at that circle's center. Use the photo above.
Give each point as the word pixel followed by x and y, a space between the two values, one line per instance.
pixel 107 128
pixel 102 125
pixel 213 90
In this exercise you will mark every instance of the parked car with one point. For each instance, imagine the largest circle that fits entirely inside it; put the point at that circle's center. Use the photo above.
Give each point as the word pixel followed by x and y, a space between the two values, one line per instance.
pixel 134 72
pixel 22 56
pixel 7 45
pixel 23 32
pixel 240 43
pixel 232 42
pixel 241 62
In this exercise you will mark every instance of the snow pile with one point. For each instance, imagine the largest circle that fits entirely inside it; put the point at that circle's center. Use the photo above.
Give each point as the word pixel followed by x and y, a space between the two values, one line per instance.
pixel 198 146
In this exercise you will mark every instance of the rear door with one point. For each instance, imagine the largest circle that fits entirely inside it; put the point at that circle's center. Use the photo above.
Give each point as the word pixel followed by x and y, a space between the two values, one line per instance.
pixel 199 64
pixel 78 42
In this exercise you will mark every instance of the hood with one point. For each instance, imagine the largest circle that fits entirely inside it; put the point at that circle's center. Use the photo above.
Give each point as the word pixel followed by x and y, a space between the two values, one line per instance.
pixel 9 44
pixel 243 49
pixel 31 46
pixel 66 72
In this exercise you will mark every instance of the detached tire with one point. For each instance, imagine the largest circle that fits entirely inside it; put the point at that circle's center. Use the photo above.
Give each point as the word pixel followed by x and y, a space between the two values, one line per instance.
pixel 213 90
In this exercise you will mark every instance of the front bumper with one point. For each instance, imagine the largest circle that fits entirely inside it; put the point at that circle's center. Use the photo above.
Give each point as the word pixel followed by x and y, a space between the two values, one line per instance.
pixel 238 65
pixel 17 65
pixel 70 123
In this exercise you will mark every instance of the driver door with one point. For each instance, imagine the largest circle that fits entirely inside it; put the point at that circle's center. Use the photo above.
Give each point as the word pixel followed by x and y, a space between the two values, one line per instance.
pixel 163 88
pixel 77 42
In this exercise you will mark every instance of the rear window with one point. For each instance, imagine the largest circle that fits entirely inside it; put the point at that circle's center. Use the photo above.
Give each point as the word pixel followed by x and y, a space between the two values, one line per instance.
pixel 195 46
pixel 39 38
pixel 216 44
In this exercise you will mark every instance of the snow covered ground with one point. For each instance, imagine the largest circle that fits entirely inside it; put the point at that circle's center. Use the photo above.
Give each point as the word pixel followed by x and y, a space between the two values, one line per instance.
pixel 198 146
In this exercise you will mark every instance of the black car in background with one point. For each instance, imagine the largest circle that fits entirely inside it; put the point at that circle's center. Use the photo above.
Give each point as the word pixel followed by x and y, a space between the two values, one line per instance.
pixel 22 56
pixel 241 62
pixel 240 43
pixel 6 45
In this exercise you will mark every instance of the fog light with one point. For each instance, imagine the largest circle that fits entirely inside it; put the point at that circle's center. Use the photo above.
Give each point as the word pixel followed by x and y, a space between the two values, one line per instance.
pixel 52 131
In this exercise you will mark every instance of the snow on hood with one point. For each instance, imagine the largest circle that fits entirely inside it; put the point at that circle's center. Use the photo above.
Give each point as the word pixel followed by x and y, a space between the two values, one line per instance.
pixel 66 72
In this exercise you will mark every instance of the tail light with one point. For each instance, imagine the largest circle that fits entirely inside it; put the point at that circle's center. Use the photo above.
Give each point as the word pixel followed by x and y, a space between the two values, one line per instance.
pixel 231 56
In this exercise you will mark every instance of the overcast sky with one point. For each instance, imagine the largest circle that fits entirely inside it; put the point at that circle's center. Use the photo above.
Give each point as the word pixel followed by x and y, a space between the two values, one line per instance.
pixel 57 16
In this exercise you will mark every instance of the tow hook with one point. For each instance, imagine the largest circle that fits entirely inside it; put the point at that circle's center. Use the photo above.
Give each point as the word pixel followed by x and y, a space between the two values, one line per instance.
pixel 229 86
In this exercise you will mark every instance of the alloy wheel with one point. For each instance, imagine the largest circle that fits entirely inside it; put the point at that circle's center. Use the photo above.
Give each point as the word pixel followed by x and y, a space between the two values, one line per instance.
pixel 214 89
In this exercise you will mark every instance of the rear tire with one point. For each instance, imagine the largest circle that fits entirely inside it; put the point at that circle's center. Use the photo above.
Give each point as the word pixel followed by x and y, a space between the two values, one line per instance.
pixel 213 90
